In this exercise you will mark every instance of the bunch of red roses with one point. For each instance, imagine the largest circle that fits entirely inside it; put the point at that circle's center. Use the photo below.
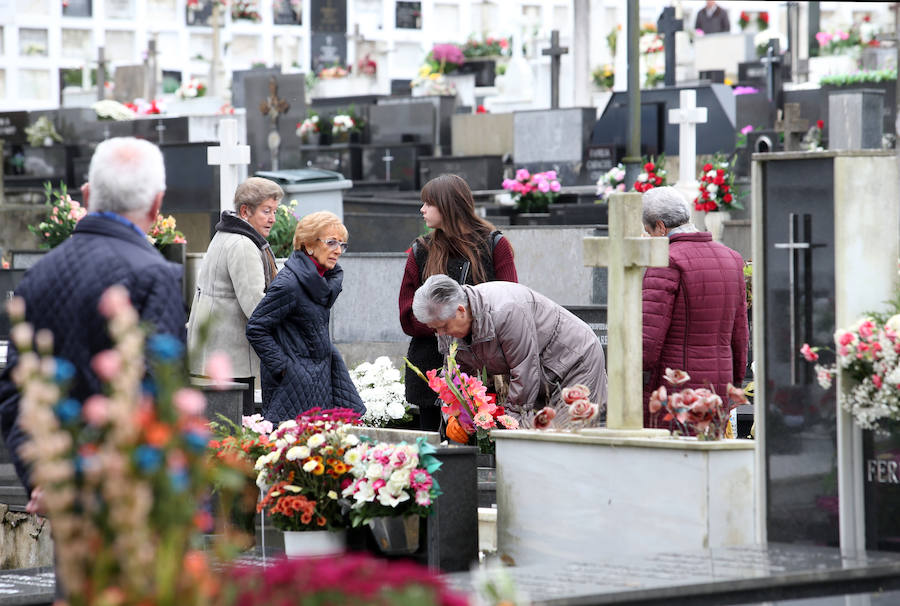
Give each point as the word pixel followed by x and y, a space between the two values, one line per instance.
pixel 717 186
pixel 654 175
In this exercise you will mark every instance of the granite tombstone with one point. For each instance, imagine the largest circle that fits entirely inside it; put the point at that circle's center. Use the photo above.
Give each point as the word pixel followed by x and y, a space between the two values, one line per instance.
pixel 290 88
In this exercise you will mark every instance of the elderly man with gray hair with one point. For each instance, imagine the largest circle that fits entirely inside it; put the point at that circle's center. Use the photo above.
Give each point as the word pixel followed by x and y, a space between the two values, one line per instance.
pixel 509 329
pixel 694 310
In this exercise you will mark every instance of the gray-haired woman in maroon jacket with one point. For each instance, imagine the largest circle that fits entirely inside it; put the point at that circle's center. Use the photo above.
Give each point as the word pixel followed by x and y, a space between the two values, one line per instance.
pixel 695 310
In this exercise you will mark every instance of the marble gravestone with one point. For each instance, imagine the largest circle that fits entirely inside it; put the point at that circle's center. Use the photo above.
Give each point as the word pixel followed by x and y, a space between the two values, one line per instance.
pixel 854 117
pixel 555 139
pixel 130 83
pixel 256 91
pixel 413 119
pixel 237 83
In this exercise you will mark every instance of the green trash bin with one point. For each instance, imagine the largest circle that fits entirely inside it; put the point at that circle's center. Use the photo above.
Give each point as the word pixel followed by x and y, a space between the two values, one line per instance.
pixel 314 189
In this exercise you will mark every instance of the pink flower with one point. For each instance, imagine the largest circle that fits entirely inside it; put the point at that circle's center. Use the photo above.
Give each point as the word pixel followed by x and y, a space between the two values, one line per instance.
pixel 114 300
pixel 808 353
pixel 544 417
pixel 218 368
pixel 423 498
pixel 747 129
pixel 576 392
pixel 677 377
pixel 555 186
pixel 845 338
pixel 582 410
pixel 508 422
pixel 736 394
pixel 484 420
pixel 107 364
pixel 876 381
pixel 96 410
pixel 189 401
pixel 866 329
pixel 522 174
pixel 657 399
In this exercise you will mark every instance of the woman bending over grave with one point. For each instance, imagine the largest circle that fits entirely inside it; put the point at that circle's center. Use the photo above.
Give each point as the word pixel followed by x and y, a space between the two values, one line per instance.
pixel 512 330
pixel 234 275
pixel 301 367
pixel 461 245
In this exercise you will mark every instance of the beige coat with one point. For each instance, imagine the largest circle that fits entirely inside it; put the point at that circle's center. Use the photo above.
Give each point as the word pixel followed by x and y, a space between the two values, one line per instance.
pixel 539 344
pixel 230 285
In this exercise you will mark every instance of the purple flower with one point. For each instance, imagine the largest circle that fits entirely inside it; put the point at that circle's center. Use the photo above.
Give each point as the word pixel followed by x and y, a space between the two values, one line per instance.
pixel 447 53
pixel 745 90
pixel 747 129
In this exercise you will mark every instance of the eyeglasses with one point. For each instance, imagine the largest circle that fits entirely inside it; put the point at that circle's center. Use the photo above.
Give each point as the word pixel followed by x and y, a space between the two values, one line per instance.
pixel 333 244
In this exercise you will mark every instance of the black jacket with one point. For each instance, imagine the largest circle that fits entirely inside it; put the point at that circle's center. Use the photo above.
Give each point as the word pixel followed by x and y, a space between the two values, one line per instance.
pixel 61 294
pixel 300 367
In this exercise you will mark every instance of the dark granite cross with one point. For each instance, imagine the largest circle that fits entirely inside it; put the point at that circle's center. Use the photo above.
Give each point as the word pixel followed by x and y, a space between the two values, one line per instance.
pixel 555 52
pixel 101 74
pixel 793 126
pixel 667 25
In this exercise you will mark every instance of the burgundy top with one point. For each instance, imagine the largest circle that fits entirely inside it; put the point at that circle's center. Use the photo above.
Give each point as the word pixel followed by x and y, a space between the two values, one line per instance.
pixel 504 270
pixel 319 268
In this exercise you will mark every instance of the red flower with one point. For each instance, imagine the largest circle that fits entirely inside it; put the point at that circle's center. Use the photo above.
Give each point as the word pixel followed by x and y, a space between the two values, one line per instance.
pixel 727 198
pixel 658 181
pixel 648 167
pixel 707 167
pixel 719 180
pixel 764 17
pixel 820 124
pixel 481 110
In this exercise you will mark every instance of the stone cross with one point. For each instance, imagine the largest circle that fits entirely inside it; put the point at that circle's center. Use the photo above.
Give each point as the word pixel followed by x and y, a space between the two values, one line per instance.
pixel 667 25
pixel 229 157
pixel 687 116
pixel 151 67
pixel 274 106
pixel 555 52
pixel 625 253
pixel 793 127
pixel 101 74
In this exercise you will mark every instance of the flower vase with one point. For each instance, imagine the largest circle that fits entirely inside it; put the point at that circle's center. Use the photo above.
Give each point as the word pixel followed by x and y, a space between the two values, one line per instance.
pixel 396 535
pixel 174 252
pixel 715 223
pixel 310 139
pixel 342 137
pixel 313 543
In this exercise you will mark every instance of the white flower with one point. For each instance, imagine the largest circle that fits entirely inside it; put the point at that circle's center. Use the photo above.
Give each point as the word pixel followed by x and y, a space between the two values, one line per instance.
pixel 310 465
pixel 291 488
pixel 297 453
pixel 315 440
pixel 712 188
pixel 332 495
pixel 642 177
pixel 386 498
pixel 349 440
pixel 374 470
pixel 352 457
pixel 396 410
pixel 364 493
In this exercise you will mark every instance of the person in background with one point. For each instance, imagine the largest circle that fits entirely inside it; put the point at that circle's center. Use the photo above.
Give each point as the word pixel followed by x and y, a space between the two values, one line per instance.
pixel 234 275
pixel 694 310
pixel 463 246
pixel 300 366
pixel 712 19
pixel 512 330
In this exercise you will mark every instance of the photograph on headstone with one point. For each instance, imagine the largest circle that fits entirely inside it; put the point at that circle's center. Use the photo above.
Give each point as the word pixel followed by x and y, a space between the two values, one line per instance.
pixel 287 12
pixel 328 16
pixel 77 8
pixel 408 15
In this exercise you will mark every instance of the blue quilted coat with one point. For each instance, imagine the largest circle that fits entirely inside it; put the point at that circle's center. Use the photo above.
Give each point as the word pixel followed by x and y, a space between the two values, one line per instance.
pixel 61 294
pixel 300 367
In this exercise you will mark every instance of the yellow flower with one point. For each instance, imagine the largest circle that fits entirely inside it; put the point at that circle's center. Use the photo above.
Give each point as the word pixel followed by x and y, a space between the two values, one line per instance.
pixel 728 82
pixel 424 71
pixel 434 76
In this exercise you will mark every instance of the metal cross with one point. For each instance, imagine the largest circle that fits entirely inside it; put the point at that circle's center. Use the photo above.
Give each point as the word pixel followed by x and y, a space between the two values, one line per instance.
pixel 273 106
pixel 667 25
pixel 797 243
pixel 387 164
pixel 555 52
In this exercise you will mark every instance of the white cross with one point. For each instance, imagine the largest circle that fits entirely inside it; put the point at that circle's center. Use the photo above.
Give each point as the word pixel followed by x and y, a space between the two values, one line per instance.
pixel 625 254
pixel 229 156
pixel 687 116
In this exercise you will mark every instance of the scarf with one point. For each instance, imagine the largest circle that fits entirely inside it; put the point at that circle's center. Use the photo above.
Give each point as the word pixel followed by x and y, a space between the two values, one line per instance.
pixel 233 224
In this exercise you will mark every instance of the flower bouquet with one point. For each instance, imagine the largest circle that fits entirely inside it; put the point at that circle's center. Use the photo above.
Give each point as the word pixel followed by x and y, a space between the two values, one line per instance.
pixel 470 411
pixel 245 9
pixel 391 480
pixel 281 236
pixel 381 389
pixel 444 58
pixel 42 133
pixel 109 109
pixel 488 47
pixel 574 410
pixel 192 89
pixel 611 182
pixel 123 473
pixel 342 125
pixel 63 214
pixel 762 20
pixel 604 77
pixel 717 186
pixel 533 192
pixel 309 127
pixel 163 232
pixel 812 140
pixel 868 352
pixel 432 82
pixel 694 411
pixel 303 473
pixel 654 174
pixel 744 20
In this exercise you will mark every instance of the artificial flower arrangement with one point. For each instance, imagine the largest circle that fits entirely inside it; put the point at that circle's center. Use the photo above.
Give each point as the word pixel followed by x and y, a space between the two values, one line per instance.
pixel 700 411
pixel 470 411
pixel 192 89
pixel 604 77
pixel 108 109
pixel 572 411
pixel 432 82
pixel 391 480
pixel 123 473
pixel 366 65
pixel 653 175
pixel 42 133
pixel 444 58
pixel 304 472
pixel 332 72
pixel 163 232
pixel 612 181
pixel 281 236
pixel 488 47
pixel 245 9
pixel 357 578
pixel 63 214
pixel 716 185
pixel 812 140
pixel 381 389
pixel 869 353
pixel 142 107
pixel 342 124
pixel 533 192
pixel 743 20
pixel 762 20
pixel 310 126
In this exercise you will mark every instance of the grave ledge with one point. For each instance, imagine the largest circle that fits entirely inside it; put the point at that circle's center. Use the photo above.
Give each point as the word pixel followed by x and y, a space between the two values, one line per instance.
pixel 596 437
pixel 832 153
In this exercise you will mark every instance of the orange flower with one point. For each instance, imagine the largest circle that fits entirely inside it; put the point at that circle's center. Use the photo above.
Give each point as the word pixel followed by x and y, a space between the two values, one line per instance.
pixel 157 434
